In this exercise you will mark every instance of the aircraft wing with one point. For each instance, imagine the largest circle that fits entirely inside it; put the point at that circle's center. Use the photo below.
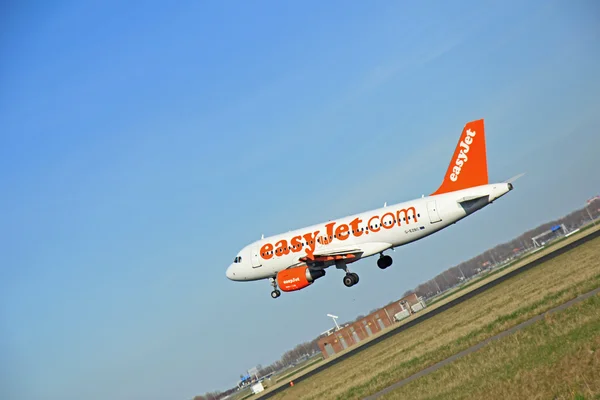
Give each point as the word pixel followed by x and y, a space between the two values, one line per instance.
pixel 348 254
pixel 324 255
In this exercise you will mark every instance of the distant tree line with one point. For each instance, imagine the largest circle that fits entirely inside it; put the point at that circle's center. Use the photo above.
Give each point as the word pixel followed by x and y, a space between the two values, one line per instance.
pixel 291 356
pixel 211 396
pixel 503 252
pixel 443 281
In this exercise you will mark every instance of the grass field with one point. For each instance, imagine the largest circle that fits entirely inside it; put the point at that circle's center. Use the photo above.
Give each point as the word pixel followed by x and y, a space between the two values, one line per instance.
pixel 458 328
pixel 526 258
pixel 301 367
pixel 555 358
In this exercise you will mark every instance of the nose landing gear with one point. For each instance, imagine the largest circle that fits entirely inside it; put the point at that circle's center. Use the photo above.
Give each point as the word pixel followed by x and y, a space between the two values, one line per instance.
pixel 275 293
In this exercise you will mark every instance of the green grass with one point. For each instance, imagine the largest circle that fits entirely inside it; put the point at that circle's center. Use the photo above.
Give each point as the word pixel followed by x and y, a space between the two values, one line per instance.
pixel 555 358
pixel 497 309
pixel 504 267
pixel 302 367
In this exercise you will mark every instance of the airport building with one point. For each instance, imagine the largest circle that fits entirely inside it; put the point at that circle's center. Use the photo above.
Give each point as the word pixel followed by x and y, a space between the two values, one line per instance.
pixel 335 340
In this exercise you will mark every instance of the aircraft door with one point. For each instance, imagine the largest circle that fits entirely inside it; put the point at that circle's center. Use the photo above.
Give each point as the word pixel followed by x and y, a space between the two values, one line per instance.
pixel 432 210
pixel 256 258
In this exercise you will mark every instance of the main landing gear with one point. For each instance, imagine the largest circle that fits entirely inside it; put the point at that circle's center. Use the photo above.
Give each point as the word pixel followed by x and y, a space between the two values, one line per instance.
pixel 351 278
pixel 275 293
pixel 384 261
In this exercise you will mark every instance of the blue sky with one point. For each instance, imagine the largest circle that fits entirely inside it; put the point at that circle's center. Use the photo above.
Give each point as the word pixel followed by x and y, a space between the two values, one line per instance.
pixel 144 143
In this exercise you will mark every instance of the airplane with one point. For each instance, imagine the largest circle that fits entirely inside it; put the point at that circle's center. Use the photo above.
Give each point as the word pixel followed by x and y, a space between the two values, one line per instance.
pixel 294 260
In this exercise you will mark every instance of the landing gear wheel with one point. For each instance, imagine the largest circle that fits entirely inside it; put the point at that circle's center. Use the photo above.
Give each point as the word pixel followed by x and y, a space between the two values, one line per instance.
pixel 349 280
pixel 275 293
pixel 355 275
pixel 388 261
pixel 384 262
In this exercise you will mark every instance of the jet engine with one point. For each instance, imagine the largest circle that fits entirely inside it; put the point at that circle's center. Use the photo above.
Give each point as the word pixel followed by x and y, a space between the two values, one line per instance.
pixel 298 278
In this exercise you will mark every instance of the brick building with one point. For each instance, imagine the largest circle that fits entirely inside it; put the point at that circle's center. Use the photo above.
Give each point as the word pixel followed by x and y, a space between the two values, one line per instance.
pixel 357 331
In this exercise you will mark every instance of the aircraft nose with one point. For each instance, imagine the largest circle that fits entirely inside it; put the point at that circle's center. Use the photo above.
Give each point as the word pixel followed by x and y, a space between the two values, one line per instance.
pixel 230 273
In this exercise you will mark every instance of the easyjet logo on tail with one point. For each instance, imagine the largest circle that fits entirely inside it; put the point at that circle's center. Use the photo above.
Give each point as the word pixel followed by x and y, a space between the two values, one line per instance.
pixel 334 231
pixel 468 165
pixel 462 158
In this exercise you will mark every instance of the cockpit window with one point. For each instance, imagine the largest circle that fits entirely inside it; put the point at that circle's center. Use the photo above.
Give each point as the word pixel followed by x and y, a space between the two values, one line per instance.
pixel 237 259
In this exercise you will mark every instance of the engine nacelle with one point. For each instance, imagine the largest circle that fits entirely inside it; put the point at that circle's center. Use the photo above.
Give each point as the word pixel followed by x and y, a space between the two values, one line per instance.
pixel 298 278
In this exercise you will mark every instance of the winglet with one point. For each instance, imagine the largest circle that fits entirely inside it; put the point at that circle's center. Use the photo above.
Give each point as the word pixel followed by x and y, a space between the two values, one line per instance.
pixel 468 166
pixel 514 178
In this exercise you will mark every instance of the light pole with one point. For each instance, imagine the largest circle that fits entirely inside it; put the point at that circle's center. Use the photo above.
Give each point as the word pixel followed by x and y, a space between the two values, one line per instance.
pixel 334 318
pixel 462 273
pixel 437 284
pixel 590 214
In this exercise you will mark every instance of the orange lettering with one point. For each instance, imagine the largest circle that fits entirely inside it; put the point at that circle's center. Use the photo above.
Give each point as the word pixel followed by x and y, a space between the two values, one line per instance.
pixel 342 232
pixel 391 224
pixel 296 244
pixel 405 212
pixel 373 229
pixel 282 247
pixel 354 225
pixel 329 233
pixel 310 243
pixel 265 251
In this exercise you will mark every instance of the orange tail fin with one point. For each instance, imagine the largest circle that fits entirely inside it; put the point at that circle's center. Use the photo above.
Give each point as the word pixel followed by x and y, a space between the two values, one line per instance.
pixel 468 166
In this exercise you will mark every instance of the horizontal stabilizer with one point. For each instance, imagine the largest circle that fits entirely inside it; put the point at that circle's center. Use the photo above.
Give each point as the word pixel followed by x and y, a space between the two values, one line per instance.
pixel 470 198
pixel 514 178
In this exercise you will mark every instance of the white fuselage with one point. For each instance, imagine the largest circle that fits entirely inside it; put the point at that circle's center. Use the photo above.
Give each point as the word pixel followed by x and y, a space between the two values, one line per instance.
pixel 373 231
